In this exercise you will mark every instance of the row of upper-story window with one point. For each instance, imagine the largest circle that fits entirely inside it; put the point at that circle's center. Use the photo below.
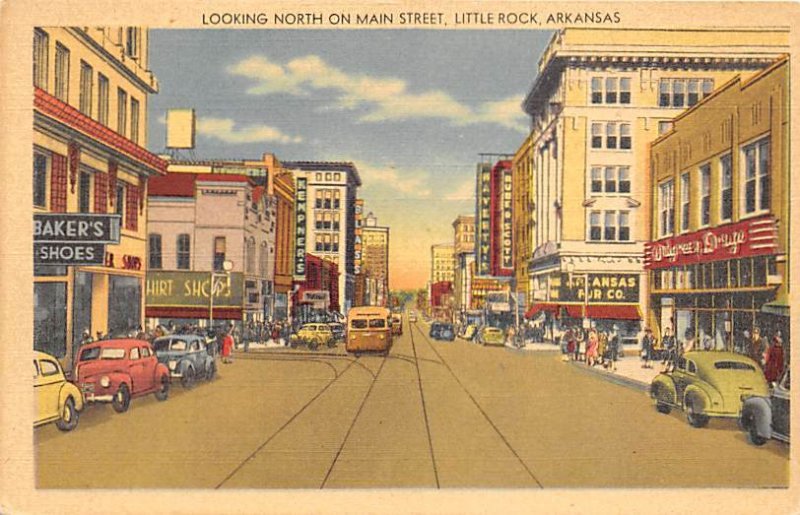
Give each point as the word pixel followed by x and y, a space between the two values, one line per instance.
pixel 326 243
pixel 50 189
pixel 327 198
pixel 94 105
pixel 327 220
pixel 755 190
pixel 672 92
pixel 183 253
pixel 328 176
pixel 608 226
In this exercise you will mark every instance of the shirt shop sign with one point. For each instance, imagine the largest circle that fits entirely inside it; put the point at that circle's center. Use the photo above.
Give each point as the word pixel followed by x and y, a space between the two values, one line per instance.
pixel 192 289
pixel 301 205
pixel 73 239
pixel 755 237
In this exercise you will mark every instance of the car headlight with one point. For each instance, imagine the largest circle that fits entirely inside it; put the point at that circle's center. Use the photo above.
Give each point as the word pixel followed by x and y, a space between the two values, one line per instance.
pixel 105 382
pixel 173 364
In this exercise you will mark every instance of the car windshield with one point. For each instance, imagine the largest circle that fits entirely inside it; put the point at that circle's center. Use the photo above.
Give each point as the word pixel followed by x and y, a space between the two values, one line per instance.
pixel 359 323
pixel 733 365
pixel 377 323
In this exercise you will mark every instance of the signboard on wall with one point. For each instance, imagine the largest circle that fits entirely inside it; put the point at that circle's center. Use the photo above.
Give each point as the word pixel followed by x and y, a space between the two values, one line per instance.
pixel 506 223
pixel 73 239
pixel 358 247
pixel 602 288
pixel 300 230
pixel 483 222
pixel 193 289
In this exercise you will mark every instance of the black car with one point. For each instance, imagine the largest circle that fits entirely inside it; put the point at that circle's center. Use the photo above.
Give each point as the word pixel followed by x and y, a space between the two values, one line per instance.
pixel 442 331
pixel 768 417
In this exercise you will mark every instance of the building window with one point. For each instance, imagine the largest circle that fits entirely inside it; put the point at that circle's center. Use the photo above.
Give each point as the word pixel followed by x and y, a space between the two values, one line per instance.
pixel 597 179
pixel 685 202
pixel 41 43
pixel 624 179
pixel 134 120
pixel 678 96
pixel 624 90
pixel 726 178
pixel 58 184
pixel 328 197
pixel 318 245
pixel 756 176
pixel 87 81
pixel 318 199
pixel 597 135
pixel 328 176
pixel 318 220
pixel 335 247
pixel 624 226
pixel 336 198
pixel 666 208
pixel 682 92
pixel 119 207
pixel 610 229
pixel 132 42
pixel 708 87
pixel 705 195
pixel 219 253
pixel 250 258
pixel 102 99
pixel 595 230
pixel 184 252
pixel 663 93
pixel 122 111
pixel 84 192
pixel 625 136
pixel 611 90
pixel 318 177
pixel 39 180
pixel 694 92
pixel 664 126
pixel 336 221
pixel 100 193
pixel 62 73
pixel 327 221
pixel 597 90
pixel 611 135
pixel 154 252
pixel 611 179
pixel 337 176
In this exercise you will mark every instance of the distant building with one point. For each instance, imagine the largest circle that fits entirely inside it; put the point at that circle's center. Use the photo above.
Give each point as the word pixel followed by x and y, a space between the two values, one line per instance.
pixel 441 262
pixel 375 255
pixel 316 297
pixel 90 94
pixel 464 234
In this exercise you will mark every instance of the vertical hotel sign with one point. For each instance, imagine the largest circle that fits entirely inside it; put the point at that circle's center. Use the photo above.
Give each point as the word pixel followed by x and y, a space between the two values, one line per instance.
pixel 300 234
pixel 484 198
pixel 506 261
pixel 358 255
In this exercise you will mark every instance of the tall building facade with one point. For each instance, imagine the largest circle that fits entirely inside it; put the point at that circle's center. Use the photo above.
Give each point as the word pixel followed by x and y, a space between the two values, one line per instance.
pixel 600 98
pixel 719 263
pixel 464 241
pixel 375 244
pixel 501 245
pixel 441 262
pixel 91 88
pixel 329 190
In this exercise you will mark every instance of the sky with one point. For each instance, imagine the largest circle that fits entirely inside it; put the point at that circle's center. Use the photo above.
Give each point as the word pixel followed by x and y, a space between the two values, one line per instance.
pixel 411 108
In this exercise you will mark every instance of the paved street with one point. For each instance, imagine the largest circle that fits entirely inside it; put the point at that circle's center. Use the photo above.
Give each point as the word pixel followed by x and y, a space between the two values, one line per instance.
pixel 431 414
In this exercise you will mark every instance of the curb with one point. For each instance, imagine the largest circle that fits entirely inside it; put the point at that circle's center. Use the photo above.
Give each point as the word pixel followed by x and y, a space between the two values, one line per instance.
pixel 612 378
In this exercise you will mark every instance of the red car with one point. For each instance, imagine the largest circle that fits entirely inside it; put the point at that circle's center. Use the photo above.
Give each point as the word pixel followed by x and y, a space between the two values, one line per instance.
pixel 115 371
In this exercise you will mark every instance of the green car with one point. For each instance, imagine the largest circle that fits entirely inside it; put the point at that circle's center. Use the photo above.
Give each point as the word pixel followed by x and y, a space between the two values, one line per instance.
pixel 708 384
pixel 491 336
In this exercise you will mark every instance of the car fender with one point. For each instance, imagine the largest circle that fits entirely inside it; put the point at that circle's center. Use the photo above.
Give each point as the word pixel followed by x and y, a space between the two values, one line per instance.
pixel 695 392
pixel 759 410
pixel 161 371
pixel 209 362
pixel 70 390
pixel 182 366
pixel 668 384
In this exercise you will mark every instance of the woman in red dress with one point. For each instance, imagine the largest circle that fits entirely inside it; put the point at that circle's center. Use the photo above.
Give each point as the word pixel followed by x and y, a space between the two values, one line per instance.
pixel 227 348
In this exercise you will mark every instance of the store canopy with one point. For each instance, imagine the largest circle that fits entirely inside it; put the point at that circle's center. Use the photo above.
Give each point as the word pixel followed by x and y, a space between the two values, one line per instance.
pixel 541 307
pixel 593 311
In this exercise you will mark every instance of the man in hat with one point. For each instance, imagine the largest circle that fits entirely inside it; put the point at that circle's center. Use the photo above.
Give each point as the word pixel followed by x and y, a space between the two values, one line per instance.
pixel 648 342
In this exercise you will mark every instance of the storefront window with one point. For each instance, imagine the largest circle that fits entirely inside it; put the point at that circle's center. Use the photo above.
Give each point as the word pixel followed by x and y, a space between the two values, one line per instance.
pixel 708 275
pixel 746 273
pixel 704 330
pixel 721 327
pixel 50 318
pixel 81 307
pixel 733 271
pixel 759 271
pixel 720 275
pixel 124 304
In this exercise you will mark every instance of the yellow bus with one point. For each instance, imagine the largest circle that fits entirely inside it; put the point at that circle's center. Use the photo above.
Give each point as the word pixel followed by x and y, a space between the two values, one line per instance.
pixel 369 329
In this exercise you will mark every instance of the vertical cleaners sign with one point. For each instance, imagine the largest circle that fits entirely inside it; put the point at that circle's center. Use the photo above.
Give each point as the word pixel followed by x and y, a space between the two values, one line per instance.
pixel 300 233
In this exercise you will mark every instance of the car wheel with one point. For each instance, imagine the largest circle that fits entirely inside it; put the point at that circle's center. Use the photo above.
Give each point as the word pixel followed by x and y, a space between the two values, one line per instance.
pixel 694 416
pixel 122 399
pixel 331 343
pixel 187 380
pixel 163 392
pixel 69 416
pixel 659 396
pixel 749 425
pixel 313 344
pixel 211 373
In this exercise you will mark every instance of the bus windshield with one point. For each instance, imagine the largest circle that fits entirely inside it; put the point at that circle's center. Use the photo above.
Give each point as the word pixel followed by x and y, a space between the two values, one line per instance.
pixel 377 323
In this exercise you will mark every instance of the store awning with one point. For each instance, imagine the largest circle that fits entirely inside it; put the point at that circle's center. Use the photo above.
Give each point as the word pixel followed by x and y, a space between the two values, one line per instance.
pixel 613 312
pixel 776 308
pixel 541 307
pixel 192 312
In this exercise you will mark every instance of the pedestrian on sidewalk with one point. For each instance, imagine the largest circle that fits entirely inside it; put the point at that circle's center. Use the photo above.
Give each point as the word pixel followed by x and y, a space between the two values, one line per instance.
pixel 774 359
pixel 572 344
pixel 591 348
pixel 648 342
pixel 670 350
pixel 227 347
pixel 613 348
pixel 580 343
pixel 757 347
pixel 602 349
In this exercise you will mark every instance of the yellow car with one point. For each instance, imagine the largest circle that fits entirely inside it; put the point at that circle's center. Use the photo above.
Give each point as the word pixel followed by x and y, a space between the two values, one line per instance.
pixel 314 335
pixel 57 400
pixel 491 336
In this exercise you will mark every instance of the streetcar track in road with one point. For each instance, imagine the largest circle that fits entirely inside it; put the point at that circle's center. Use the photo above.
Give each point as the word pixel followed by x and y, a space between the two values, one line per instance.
pixel 425 410
pixel 480 408
pixel 290 359
pixel 353 423
pixel 284 426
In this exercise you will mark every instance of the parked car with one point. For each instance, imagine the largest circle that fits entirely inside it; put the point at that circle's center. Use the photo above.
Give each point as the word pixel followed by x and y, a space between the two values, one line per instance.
pixel 116 371
pixel 313 335
pixel 57 400
pixel 768 417
pixel 708 384
pixel 337 328
pixel 397 324
pixel 489 335
pixel 187 357
pixel 442 331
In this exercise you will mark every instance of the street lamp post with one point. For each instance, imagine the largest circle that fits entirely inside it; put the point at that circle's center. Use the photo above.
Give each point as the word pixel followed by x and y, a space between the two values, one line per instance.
pixel 227 266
